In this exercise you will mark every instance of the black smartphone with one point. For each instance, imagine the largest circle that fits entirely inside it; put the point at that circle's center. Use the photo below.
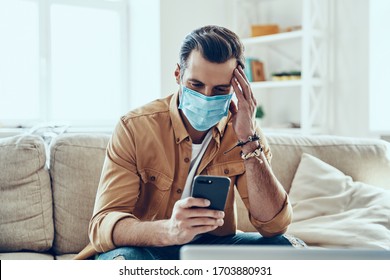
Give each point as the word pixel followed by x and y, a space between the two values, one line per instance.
pixel 213 188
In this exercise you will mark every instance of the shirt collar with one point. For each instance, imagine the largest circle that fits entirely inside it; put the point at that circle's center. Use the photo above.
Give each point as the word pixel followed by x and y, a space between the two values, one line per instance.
pixel 178 125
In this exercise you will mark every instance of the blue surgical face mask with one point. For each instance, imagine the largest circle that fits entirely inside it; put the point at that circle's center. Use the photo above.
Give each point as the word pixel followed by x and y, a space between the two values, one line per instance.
pixel 203 112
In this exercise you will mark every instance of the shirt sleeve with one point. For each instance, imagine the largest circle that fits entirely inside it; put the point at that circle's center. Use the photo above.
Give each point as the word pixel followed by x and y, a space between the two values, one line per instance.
pixel 118 189
pixel 276 225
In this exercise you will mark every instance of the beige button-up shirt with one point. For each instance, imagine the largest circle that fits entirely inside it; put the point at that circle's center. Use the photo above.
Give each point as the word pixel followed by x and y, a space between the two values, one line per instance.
pixel 146 166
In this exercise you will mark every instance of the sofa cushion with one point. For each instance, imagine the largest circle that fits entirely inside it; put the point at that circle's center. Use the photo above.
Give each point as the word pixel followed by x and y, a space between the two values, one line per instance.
pixel 331 210
pixel 26 256
pixel 76 161
pixel 365 160
pixel 65 257
pixel 26 221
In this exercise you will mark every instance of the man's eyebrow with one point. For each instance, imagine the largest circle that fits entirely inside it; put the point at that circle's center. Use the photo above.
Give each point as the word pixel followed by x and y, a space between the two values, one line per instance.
pixel 197 81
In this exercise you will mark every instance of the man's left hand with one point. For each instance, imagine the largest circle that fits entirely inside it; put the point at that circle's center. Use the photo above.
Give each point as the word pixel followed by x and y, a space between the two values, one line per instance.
pixel 244 113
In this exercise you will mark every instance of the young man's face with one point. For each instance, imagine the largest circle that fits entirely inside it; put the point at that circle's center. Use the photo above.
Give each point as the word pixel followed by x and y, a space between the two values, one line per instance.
pixel 207 77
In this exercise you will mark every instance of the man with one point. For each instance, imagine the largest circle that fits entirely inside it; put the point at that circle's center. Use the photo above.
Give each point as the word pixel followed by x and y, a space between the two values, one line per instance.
pixel 143 208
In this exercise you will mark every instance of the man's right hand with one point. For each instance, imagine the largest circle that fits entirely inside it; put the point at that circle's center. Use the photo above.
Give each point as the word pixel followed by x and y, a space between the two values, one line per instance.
pixel 190 217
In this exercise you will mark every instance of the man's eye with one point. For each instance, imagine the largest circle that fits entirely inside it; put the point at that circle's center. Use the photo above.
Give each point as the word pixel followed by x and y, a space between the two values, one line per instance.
pixel 197 85
pixel 223 90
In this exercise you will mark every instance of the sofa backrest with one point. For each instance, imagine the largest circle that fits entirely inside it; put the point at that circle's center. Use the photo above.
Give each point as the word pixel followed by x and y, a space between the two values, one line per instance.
pixel 365 160
pixel 76 161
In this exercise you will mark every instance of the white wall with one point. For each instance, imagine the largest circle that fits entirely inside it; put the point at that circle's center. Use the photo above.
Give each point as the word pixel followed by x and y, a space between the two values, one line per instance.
pixel 351 68
pixel 145 51
pixel 361 68
pixel 178 18
pixel 379 67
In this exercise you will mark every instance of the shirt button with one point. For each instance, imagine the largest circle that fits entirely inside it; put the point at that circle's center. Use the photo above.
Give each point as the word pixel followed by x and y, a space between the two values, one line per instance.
pixel 226 171
pixel 187 160
pixel 179 191
pixel 152 178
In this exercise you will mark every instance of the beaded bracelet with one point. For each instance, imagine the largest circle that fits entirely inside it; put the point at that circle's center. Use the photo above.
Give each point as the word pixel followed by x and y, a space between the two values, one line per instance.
pixel 251 138
pixel 255 153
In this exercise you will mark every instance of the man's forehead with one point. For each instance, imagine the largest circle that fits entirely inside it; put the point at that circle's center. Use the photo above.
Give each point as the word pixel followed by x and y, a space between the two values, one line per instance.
pixel 200 69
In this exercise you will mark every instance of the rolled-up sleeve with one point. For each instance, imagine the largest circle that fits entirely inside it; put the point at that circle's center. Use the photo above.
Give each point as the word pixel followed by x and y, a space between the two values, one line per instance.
pixel 101 234
pixel 278 224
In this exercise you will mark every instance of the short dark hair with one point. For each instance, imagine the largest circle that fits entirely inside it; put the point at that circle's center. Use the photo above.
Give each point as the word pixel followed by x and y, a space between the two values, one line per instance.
pixel 215 43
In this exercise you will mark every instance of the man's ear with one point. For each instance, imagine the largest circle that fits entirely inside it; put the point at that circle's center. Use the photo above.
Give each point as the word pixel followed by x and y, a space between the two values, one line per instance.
pixel 177 73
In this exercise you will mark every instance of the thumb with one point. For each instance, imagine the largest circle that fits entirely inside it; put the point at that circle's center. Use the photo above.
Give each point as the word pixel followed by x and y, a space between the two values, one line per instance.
pixel 233 108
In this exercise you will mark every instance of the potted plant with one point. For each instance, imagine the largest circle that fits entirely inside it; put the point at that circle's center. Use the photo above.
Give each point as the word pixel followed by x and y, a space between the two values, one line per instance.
pixel 259 114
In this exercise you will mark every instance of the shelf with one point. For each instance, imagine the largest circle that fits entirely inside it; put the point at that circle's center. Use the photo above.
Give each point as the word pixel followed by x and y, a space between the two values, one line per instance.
pixel 282 84
pixel 273 38
pixel 276 84
pixel 280 37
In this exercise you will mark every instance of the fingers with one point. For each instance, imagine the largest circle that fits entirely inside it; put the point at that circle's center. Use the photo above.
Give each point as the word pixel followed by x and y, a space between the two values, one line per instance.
pixel 242 73
pixel 186 222
pixel 243 82
pixel 203 212
pixel 192 207
pixel 198 216
pixel 190 202
pixel 200 224
pixel 239 94
pixel 197 222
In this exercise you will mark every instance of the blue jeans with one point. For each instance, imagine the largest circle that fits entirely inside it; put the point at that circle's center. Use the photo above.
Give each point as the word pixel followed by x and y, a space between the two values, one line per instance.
pixel 173 252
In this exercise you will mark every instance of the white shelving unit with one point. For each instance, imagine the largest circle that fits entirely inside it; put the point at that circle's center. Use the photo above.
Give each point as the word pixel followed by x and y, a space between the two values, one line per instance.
pixel 305 49
pixel 273 38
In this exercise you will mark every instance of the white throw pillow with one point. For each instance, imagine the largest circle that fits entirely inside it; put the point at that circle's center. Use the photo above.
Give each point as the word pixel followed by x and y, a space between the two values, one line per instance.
pixel 331 210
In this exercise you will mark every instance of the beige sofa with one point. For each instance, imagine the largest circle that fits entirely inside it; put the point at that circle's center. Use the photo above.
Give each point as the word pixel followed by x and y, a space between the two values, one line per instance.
pixel 47 192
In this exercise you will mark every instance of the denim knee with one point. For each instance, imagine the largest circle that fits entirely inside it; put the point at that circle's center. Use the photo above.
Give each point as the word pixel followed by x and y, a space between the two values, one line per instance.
pixel 276 240
pixel 126 253
pixel 256 238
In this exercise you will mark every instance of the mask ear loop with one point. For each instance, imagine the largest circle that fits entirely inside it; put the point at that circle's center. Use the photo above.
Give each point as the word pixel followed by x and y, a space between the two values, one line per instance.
pixel 180 96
